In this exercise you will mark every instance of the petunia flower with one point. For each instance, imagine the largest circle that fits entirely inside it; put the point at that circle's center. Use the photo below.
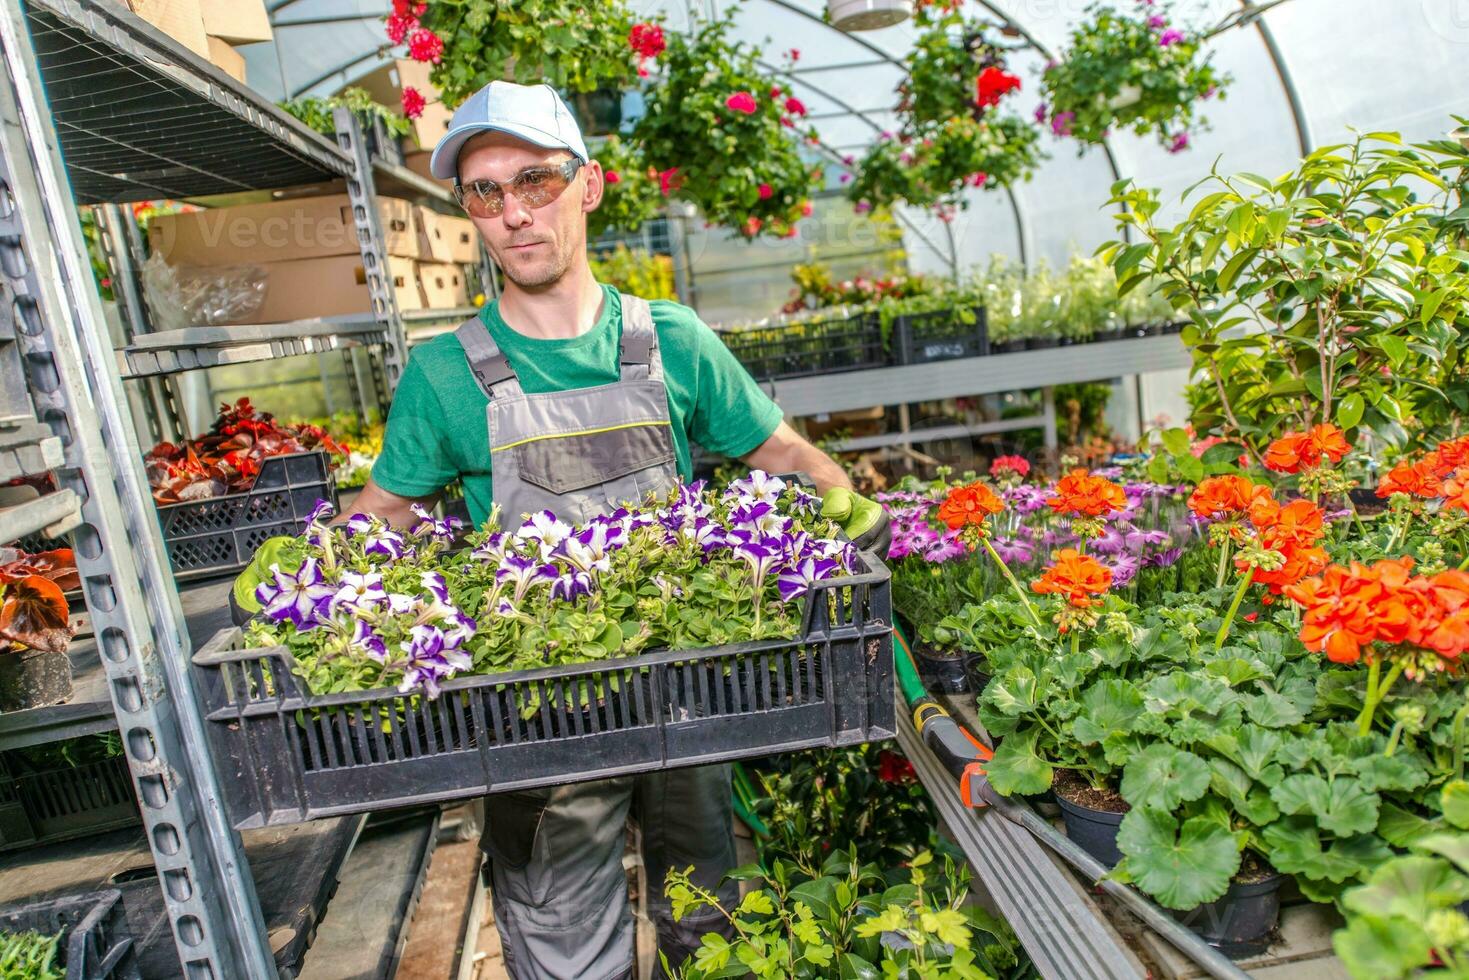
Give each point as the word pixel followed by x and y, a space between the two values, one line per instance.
pixel 368 640
pixel 298 595
pixel 759 487
pixel 545 529
pixel 798 579
pixel 358 591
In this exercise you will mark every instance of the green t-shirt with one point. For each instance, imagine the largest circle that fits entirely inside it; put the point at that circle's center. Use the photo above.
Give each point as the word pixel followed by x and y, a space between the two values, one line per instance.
pixel 437 427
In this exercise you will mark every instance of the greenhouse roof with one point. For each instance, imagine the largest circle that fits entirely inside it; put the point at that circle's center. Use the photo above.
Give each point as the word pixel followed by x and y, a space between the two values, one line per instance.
pixel 1305 72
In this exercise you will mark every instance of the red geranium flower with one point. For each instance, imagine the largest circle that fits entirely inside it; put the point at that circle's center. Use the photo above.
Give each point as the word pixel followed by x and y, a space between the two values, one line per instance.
pixel 647 40
pixel 425 45
pixel 413 102
pixel 795 106
pixel 765 191
pixel 893 768
pixel 399 25
pixel 993 84
pixel 741 102
pixel 668 180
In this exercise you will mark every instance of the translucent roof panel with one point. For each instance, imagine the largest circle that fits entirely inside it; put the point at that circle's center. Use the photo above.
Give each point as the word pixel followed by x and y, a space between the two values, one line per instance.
pixel 1367 64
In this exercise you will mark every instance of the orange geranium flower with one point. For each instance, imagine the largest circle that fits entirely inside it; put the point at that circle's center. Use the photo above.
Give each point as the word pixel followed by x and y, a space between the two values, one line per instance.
pixel 1300 563
pixel 971 504
pixel 1076 576
pixel 1419 479
pixel 1222 496
pixel 1452 455
pixel 1450 634
pixel 1338 611
pixel 1456 491
pixel 1284 454
pixel 1296 451
pixel 1299 523
pixel 1078 492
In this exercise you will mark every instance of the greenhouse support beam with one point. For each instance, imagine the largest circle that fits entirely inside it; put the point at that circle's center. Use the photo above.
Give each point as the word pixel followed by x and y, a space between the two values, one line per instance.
pixel 317 21
pixel 1282 69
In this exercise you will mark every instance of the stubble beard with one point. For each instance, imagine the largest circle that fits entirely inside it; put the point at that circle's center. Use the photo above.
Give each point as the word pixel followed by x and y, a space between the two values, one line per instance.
pixel 539 275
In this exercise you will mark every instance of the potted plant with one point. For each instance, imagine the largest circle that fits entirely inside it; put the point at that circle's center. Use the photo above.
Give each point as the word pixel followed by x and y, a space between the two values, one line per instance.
pixel 1292 289
pixel 723 136
pixel 630 194
pixel 35 631
pixel 1138 71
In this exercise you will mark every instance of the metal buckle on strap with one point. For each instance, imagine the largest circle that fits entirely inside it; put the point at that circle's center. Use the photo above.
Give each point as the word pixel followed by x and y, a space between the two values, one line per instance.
pixel 638 349
pixel 492 372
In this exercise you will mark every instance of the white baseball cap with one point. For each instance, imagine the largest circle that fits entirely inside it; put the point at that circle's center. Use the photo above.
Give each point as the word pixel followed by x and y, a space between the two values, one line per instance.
pixel 534 113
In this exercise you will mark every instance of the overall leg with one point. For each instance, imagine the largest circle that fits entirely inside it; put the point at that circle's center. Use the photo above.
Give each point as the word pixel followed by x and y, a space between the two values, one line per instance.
pixel 687 818
pixel 556 879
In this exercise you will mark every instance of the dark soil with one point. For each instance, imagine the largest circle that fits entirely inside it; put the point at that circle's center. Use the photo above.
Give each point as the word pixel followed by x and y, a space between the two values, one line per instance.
pixel 1253 869
pixel 1073 788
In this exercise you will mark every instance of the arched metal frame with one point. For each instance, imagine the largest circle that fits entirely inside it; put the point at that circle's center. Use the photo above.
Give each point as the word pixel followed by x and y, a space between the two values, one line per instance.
pixel 1251 13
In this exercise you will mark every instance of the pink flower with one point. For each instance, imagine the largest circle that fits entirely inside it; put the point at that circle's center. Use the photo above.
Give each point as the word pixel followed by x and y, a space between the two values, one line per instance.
pixel 845 178
pixel 788 122
pixel 794 54
pixel 849 159
pixel 1157 22
pixel 1170 36
pixel 1061 123
pixel 795 106
pixel 862 207
pixel 647 40
pixel 1040 113
pixel 611 176
pixel 752 226
pixel 399 25
pixel 425 45
pixel 1179 144
pixel 775 92
pixel 668 180
pixel 413 102
pixel 741 102
pixel 766 192
pixel 806 209
pixel 978 178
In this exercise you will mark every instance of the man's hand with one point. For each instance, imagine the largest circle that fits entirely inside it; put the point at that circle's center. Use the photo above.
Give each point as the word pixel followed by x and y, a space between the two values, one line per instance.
pixel 243 603
pixel 865 521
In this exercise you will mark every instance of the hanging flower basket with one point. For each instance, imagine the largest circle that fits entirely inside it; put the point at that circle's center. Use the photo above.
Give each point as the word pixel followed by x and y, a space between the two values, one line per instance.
pixel 867 15
pixel 1130 71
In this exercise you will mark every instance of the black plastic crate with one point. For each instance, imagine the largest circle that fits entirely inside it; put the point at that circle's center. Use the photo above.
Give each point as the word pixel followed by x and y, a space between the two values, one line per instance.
pixel 809 347
pixel 220 534
pixel 97 944
pixel 939 335
pixel 287 755
pixel 61 803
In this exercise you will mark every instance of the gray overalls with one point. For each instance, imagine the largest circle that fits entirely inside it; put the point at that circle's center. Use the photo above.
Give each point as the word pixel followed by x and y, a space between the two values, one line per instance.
pixel 556 875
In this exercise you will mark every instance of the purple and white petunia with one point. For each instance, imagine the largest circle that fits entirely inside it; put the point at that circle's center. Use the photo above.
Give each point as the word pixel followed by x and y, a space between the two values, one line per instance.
pixel 384 542
pixel 440 530
pixel 521 572
pixel 758 487
pixel 320 512
pixel 298 597
pixel 570 585
pixel 546 529
pixel 368 640
pixel 359 590
pixel 433 583
pixel 798 579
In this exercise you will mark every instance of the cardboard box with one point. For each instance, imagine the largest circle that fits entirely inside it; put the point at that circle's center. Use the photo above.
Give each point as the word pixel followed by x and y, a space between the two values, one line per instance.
pixel 451 238
pixel 236 21
pixel 444 285
pixel 386 85
pixel 332 286
pixel 282 231
pixel 179 19
pixel 418 161
pixel 227 58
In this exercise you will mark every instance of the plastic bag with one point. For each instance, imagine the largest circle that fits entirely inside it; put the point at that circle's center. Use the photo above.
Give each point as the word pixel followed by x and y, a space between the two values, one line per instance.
pixel 191 296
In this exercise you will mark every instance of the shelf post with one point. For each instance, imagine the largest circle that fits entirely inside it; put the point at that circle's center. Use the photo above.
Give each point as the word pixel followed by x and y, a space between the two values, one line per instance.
pixel 73 376
pixel 362 192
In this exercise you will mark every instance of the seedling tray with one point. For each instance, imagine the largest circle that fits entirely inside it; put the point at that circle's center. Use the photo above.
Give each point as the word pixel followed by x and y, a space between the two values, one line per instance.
pixel 220 534
pixel 65 802
pixel 809 347
pixel 97 944
pixel 286 755
pixel 940 335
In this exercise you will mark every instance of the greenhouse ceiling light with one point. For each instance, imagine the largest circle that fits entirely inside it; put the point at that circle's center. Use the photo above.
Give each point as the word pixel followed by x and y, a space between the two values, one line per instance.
pixel 867 15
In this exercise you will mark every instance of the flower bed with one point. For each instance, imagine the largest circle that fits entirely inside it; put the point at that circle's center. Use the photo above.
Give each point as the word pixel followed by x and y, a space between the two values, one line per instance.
pixel 421 673
pixel 1239 676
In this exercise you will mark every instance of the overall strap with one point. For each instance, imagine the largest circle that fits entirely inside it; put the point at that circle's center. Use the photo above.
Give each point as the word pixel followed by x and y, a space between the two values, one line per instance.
pixel 486 362
pixel 640 356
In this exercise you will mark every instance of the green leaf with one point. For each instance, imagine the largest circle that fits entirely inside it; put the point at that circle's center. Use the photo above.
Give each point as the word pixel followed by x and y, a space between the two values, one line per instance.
pixel 1455 847
pixel 1400 828
pixel 854 967
pixel 1190 468
pixel 756 902
pixel 1223 452
pixel 1014 693
pixel 819 894
pixel 1349 410
pixel 1294 846
pixel 1396 348
pixel 1233 268
pixel 1382 949
pixel 1455 799
pixel 1162 777
pixel 1176 441
pixel 1181 867
pixel 1017 768
pixel 1341 806
pixel 1410 887
pixel 1107 707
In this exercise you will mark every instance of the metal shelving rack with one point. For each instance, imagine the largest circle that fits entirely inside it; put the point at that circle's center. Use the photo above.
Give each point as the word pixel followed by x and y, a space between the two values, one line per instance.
pixel 97 107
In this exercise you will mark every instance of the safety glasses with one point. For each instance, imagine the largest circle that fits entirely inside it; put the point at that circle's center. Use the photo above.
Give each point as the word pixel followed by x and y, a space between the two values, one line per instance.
pixel 535 188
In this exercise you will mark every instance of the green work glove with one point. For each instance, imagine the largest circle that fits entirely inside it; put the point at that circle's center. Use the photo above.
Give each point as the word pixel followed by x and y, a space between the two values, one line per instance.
pixel 270 552
pixel 864 521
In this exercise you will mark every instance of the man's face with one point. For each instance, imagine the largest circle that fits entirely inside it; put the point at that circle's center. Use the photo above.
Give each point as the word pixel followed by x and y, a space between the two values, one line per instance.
pixel 533 246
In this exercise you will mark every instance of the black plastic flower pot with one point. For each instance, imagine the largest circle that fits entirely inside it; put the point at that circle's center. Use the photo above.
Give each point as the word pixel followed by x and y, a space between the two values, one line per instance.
pixel 1116 333
pixel 975 674
pixel 1007 347
pixel 1238 922
pixel 1094 830
pixel 941 672
pixel 1041 343
pixel 33 679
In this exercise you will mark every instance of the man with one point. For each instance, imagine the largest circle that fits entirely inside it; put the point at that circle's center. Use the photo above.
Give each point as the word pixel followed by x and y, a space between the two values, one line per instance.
pixel 566 395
